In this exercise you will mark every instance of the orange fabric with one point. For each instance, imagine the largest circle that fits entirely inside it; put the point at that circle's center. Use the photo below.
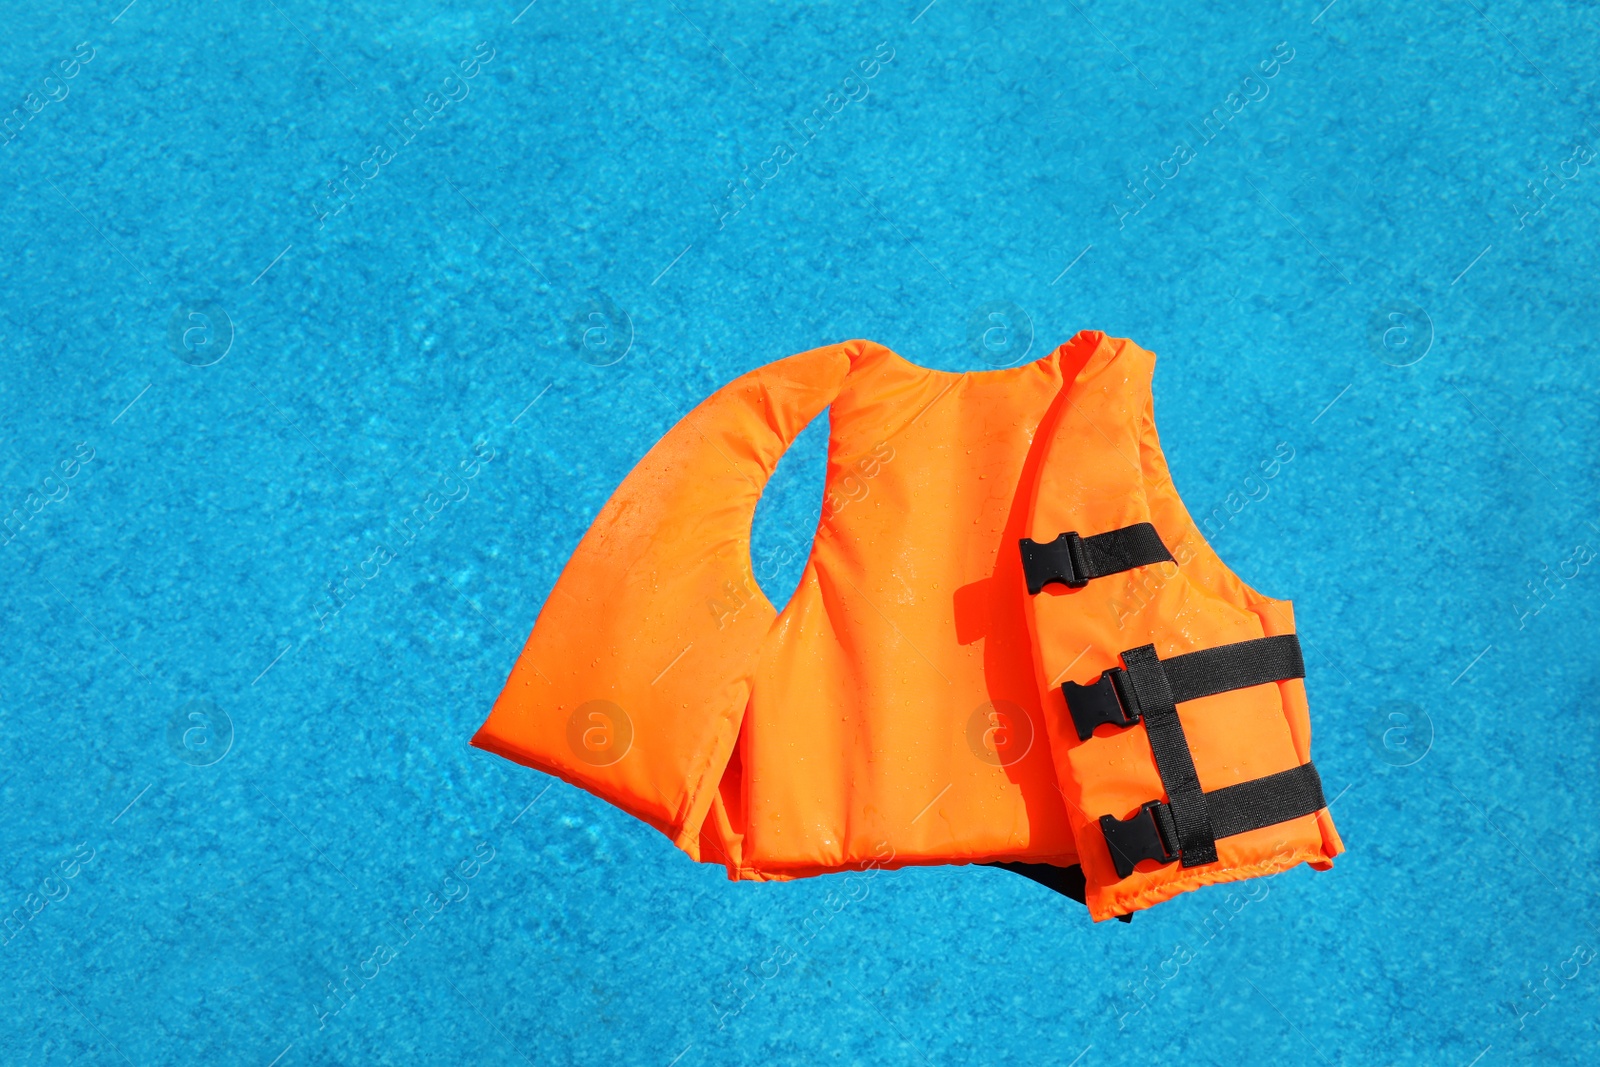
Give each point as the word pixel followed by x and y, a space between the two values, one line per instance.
pixel 897 711
pixel 854 709
pixel 1183 606
pixel 630 623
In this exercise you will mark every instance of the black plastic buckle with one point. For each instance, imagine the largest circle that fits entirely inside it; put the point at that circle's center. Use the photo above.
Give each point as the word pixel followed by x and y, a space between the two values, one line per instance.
pixel 1140 838
pixel 1062 560
pixel 1108 699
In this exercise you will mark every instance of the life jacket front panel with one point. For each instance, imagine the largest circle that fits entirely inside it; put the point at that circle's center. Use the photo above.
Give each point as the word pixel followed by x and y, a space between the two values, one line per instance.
pixel 1104 471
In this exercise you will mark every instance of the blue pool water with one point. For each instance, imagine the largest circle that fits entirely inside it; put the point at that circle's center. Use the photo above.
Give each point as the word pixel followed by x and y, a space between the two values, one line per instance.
pixel 505 305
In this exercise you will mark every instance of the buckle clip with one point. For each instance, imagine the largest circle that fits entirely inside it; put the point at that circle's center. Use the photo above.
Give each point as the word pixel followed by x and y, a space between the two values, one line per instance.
pixel 1108 699
pixel 1139 838
pixel 1062 560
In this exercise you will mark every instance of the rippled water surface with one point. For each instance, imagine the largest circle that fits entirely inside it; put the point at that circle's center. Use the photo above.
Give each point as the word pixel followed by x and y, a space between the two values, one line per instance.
pixel 329 328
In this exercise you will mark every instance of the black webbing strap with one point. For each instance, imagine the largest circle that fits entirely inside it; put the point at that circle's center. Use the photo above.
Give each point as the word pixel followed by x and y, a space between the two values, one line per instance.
pixel 1111 699
pixel 1150 688
pixel 1238 809
pixel 1237 666
pixel 1152 833
pixel 1159 707
pixel 1068 881
pixel 1073 560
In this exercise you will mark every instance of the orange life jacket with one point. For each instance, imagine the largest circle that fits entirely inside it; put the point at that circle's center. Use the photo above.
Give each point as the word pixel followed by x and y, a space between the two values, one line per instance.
pixel 905 707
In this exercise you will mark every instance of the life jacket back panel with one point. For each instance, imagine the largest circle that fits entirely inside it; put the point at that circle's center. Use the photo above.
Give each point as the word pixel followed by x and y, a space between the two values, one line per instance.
pixel 891 714
pixel 894 711
pixel 635 678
